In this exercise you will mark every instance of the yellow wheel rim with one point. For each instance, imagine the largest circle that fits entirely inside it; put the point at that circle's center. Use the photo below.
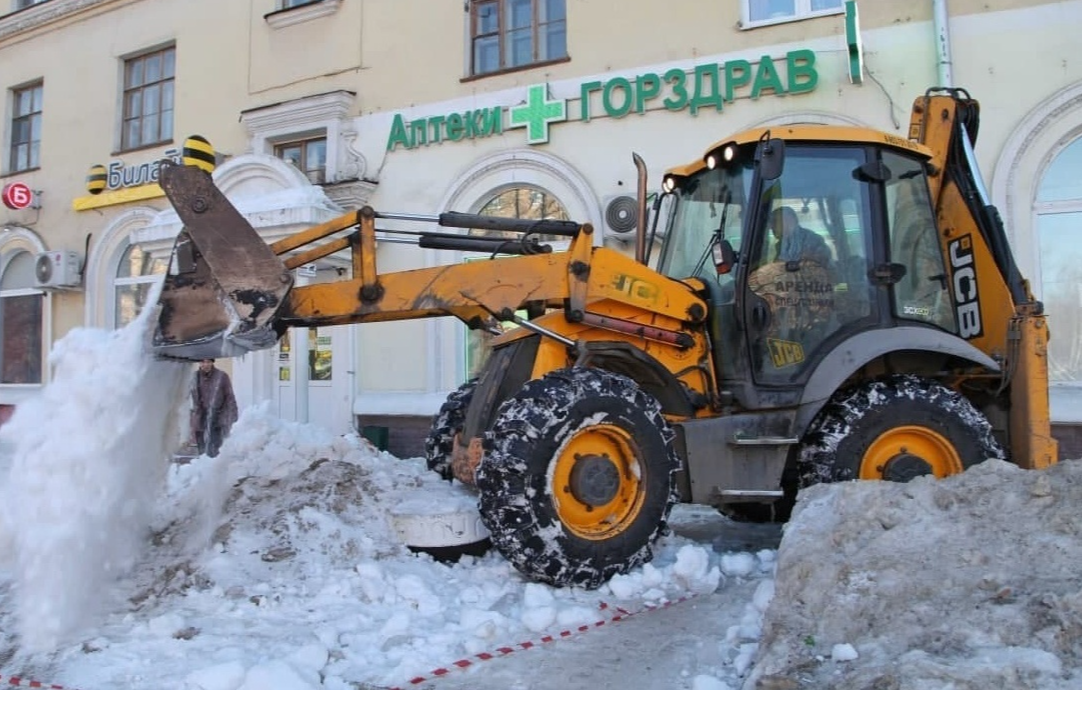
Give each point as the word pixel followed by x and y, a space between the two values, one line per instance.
pixel 596 482
pixel 907 451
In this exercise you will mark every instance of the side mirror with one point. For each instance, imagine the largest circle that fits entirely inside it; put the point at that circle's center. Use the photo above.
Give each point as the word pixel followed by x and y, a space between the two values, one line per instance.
pixel 724 256
pixel 770 157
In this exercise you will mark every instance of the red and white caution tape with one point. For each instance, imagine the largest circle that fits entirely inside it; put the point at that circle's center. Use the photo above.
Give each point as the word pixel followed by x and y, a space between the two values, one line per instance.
pixel 17 682
pixel 13 682
pixel 621 615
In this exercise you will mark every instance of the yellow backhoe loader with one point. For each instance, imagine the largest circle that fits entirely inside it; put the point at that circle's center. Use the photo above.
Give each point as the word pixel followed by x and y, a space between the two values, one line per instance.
pixel 807 304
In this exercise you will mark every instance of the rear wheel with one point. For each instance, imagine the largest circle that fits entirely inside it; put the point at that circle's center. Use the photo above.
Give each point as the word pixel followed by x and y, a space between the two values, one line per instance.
pixel 895 429
pixel 445 426
pixel 577 478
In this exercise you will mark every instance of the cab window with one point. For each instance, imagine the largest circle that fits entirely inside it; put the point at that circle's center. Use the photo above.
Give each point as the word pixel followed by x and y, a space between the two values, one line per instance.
pixel 808 275
pixel 921 294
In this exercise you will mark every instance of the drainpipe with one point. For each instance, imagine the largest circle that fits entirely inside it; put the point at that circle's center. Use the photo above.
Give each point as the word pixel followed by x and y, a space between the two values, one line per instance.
pixel 942 43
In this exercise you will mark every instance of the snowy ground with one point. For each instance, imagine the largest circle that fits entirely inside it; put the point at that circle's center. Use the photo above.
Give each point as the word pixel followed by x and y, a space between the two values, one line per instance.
pixel 299 581
pixel 276 566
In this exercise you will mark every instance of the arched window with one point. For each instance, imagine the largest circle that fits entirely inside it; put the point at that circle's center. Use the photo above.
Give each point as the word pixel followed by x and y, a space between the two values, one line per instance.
pixel 136 273
pixel 21 307
pixel 1058 210
pixel 525 203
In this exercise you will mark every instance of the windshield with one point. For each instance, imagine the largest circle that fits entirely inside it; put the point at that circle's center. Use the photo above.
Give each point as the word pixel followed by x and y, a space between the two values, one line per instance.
pixel 706 204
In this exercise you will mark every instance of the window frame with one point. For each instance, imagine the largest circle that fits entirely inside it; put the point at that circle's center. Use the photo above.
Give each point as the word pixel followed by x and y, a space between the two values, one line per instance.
pixel 474 352
pixel 502 32
pixel 161 83
pixel 286 15
pixel 801 162
pixel 134 281
pixel 1051 204
pixel 34 136
pixel 43 322
pixel 23 4
pixel 279 146
pixel 801 11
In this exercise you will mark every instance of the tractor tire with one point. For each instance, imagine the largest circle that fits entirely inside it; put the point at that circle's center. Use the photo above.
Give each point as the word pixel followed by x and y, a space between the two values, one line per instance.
pixel 445 426
pixel 895 429
pixel 578 477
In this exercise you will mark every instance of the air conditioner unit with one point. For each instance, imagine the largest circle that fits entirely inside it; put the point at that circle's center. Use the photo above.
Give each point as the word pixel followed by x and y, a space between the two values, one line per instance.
pixel 621 215
pixel 57 269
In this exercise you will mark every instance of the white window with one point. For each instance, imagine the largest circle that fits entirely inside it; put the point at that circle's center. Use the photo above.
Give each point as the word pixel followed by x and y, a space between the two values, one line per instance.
pixel 290 12
pixel 308 133
pixel 762 12
pixel 26 128
pixel 136 273
pixel 1058 210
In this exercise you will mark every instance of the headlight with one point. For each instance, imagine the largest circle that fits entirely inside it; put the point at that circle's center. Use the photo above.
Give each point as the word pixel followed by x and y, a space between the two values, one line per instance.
pixel 721 155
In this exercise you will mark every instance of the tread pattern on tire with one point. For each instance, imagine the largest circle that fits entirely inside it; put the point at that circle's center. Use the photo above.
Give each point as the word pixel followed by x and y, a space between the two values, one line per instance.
pixel 831 448
pixel 512 478
pixel 448 422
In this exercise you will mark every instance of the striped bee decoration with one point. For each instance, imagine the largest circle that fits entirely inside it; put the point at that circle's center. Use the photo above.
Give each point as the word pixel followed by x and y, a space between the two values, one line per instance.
pixel 198 152
pixel 96 179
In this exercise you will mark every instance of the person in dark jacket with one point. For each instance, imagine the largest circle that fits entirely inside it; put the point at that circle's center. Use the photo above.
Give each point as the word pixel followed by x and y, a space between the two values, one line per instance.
pixel 214 408
pixel 796 242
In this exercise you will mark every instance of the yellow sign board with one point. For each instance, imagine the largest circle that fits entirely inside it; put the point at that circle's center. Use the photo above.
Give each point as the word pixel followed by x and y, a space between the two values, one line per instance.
pixel 126 195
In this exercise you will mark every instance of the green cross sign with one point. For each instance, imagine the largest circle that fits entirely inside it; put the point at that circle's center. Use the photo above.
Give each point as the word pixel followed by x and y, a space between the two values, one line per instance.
pixel 537 113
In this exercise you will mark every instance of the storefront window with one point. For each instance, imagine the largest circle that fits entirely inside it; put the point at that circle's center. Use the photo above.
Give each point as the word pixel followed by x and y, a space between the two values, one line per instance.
pixel 1059 220
pixel 21 307
pixel 522 202
pixel 319 354
pixel 136 274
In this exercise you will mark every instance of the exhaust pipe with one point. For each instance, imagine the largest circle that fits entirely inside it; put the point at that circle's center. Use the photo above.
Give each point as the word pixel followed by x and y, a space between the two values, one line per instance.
pixel 640 224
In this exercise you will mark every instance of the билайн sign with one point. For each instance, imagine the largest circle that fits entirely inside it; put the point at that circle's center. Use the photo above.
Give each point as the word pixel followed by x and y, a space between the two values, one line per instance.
pixel 706 86
pixel 118 183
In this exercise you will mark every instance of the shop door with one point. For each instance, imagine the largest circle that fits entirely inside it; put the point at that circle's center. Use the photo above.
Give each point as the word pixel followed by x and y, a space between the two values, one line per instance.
pixel 319 358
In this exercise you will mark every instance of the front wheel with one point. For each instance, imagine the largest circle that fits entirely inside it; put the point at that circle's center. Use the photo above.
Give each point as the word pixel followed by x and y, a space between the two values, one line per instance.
pixel 577 479
pixel 447 424
pixel 895 429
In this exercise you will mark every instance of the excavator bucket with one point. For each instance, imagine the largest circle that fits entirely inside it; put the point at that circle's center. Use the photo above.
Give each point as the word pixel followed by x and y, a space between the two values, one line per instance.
pixel 224 285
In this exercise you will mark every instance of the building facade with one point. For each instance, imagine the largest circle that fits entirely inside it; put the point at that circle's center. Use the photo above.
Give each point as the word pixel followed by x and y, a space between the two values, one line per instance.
pixel 307 109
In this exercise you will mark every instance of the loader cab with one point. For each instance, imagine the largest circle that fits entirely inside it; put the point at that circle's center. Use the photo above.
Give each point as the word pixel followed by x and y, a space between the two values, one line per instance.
pixel 831 239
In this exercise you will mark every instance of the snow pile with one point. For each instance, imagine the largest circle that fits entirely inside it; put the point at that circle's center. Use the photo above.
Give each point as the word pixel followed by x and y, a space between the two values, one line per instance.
pixel 89 455
pixel 970 582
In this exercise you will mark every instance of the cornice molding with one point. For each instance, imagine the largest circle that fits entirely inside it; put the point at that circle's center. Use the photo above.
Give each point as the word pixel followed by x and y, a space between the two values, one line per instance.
pixel 41 14
pixel 281 117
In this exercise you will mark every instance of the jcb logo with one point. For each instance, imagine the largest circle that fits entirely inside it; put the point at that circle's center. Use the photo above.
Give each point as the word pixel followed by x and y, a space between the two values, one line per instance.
pixel 966 292
pixel 784 353
pixel 635 289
